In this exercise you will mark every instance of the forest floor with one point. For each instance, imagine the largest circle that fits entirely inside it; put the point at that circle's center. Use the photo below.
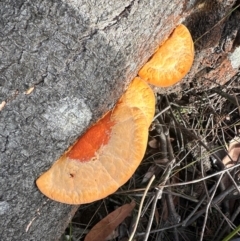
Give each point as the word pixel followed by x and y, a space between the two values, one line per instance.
pixel 187 186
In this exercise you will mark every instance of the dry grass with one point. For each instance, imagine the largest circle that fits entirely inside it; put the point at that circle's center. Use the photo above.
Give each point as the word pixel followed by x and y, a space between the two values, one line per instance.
pixel 194 195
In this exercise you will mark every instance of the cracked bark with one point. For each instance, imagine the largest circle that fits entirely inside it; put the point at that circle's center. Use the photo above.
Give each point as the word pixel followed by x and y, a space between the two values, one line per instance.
pixel 79 56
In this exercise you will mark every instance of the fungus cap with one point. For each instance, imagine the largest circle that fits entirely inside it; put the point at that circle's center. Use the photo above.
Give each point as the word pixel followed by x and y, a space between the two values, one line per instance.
pixel 172 60
pixel 107 155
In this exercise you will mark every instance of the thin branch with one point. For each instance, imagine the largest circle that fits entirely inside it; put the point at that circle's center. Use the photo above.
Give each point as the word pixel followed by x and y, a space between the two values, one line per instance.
pixel 140 208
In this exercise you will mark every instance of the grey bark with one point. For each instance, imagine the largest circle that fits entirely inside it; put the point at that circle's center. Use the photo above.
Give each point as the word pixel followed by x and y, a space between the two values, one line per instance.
pixel 79 56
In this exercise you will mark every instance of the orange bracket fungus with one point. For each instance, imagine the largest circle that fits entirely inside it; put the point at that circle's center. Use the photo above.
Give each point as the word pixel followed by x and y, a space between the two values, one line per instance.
pixel 107 155
pixel 172 60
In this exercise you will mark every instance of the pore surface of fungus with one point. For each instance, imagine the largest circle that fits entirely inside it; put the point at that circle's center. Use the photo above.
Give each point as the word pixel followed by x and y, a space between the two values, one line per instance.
pixel 172 60
pixel 107 155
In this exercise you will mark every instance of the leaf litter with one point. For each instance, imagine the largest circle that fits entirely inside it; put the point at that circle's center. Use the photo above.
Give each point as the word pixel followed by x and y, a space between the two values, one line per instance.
pixel 195 157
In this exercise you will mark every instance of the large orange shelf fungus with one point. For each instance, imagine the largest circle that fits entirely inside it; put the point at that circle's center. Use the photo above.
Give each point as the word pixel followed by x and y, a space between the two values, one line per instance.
pixel 107 155
pixel 172 60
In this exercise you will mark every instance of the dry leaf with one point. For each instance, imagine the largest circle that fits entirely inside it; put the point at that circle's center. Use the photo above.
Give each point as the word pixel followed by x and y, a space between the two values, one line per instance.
pixel 233 152
pixel 107 225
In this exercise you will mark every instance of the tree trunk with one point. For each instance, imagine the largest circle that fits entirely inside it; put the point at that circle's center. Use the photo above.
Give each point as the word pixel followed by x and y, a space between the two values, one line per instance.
pixel 63 65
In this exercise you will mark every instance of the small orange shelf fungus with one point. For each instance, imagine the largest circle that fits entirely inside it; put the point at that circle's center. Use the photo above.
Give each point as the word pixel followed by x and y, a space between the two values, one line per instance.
pixel 107 155
pixel 172 61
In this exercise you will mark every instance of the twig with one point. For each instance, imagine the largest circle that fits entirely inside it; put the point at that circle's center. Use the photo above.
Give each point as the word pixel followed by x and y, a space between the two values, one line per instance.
pixel 140 207
pixel 158 196
pixel 215 201
pixel 234 215
pixel 153 209
pixel 132 193
pixel 173 215
pixel 226 95
pixel 162 229
pixel 196 208
pixel 161 112
pixel 203 178
pixel 208 206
